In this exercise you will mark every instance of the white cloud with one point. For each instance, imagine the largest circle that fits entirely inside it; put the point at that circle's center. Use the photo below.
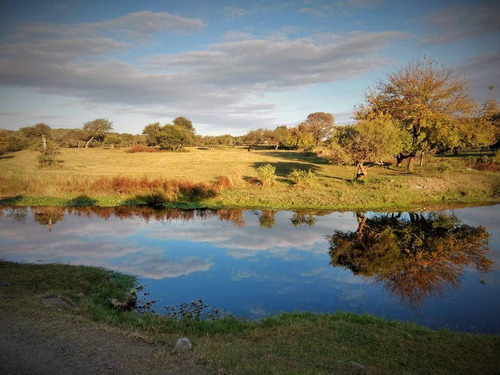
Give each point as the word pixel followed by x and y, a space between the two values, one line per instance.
pixel 236 12
pixel 132 25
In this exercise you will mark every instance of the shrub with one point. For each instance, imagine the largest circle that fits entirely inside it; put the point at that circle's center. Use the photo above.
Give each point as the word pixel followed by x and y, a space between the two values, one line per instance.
pixel 267 174
pixel 442 167
pixel 301 177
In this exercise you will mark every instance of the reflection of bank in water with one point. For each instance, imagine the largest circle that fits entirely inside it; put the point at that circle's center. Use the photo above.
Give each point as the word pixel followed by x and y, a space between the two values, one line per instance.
pixel 415 256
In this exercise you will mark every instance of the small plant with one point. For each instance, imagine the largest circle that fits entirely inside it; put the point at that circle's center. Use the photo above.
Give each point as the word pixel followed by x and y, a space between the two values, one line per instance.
pixel 442 167
pixel 195 310
pixel 301 177
pixel 267 174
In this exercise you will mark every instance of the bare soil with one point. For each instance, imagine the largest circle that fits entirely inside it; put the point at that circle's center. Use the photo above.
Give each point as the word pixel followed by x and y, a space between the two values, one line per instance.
pixel 40 345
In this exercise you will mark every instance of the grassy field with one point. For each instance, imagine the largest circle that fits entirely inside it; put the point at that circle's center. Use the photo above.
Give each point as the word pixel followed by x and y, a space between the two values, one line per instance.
pixel 86 177
pixel 286 344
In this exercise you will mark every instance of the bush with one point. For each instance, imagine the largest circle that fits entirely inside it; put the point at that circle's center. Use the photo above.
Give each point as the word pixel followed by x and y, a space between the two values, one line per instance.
pixel 267 174
pixel 301 177
pixel 442 167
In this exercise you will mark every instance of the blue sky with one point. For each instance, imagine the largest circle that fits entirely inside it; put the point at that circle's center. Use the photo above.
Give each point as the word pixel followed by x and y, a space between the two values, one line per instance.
pixel 229 66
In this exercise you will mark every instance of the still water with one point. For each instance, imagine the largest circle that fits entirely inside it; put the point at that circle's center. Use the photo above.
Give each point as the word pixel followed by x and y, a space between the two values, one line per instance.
pixel 439 269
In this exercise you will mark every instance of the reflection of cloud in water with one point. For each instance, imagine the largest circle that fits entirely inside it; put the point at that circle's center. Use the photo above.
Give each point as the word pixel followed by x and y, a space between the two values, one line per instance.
pixel 69 244
pixel 155 266
pixel 279 239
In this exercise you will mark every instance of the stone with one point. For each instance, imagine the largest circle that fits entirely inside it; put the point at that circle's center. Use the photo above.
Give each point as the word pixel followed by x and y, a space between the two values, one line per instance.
pixel 182 345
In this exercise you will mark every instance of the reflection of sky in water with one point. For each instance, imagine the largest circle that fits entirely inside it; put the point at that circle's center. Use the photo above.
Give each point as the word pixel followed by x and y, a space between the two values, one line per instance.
pixel 250 270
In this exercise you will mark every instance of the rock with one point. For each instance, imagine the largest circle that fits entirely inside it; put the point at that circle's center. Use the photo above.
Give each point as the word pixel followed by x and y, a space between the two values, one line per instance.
pixel 54 300
pixel 357 364
pixel 182 345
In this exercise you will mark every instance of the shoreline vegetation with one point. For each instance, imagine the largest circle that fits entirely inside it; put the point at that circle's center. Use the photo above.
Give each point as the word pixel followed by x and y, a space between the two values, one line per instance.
pixel 285 343
pixel 235 178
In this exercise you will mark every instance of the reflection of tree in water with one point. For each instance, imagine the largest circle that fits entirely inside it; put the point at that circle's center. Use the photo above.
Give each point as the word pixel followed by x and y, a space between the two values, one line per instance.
pixel 303 218
pixel 17 214
pixel 48 215
pixel 267 218
pixel 52 215
pixel 414 258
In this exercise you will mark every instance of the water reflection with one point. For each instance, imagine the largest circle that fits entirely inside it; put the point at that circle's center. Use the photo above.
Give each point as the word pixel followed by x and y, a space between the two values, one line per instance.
pixel 414 256
pixel 255 263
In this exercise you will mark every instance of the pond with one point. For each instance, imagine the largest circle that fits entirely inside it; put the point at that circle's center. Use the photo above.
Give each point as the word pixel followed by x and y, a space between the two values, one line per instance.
pixel 439 269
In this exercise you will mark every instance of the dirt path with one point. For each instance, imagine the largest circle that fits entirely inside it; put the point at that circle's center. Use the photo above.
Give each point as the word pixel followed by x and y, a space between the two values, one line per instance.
pixel 34 345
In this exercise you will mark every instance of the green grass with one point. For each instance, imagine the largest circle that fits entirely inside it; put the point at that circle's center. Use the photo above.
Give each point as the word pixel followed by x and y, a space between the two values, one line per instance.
pixel 86 177
pixel 290 343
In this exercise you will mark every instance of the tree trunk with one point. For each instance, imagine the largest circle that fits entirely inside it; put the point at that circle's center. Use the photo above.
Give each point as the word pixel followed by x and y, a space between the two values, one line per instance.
pixel 411 163
pixel 421 159
pixel 277 145
pixel 361 172
pixel 44 141
pixel 400 158
pixel 88 142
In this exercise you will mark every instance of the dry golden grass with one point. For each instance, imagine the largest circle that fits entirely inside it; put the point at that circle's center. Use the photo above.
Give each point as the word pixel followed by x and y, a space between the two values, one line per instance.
pixel 236 171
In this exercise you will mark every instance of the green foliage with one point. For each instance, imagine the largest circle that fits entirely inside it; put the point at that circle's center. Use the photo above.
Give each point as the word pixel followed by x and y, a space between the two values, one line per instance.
pixel 267 174
pixel 96 130
pixel 185 123
pixel 169 137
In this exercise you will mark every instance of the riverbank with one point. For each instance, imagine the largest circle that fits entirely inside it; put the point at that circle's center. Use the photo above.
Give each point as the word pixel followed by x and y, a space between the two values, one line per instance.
pixel 75 297
pixel 229 178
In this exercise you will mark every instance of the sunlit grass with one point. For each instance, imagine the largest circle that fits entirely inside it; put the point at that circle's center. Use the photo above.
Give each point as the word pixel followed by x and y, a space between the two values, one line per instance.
pixel 441 180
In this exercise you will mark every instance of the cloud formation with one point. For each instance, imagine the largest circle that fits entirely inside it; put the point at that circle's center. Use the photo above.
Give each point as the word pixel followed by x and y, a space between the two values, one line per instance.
pixel 461 21
pixel 221 84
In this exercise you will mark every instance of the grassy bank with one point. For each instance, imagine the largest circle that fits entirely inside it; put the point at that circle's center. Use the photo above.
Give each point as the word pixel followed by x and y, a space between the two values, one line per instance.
pixel 289 343
pixel 230 178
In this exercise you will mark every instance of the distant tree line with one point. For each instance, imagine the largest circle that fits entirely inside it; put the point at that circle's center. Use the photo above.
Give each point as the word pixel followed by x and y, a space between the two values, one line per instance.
pixel 420 108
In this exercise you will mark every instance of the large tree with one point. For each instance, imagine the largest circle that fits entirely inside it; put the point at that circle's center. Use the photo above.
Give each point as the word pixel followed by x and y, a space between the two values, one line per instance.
pixel 96 129
pixel 319 125
pixel 36 133
pixel 371 139
pixel 423 96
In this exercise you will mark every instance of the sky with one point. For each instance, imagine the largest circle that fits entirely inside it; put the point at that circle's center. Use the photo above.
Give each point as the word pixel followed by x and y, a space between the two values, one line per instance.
pixel 229 66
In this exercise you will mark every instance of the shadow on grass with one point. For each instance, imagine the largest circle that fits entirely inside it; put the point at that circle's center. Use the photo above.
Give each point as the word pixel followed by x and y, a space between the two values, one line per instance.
pixel 80 201
pixel 6 157
pixel 7 201
pixel 308 157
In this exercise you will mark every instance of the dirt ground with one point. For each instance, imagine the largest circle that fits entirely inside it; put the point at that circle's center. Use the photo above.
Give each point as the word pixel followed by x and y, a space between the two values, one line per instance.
pixel 34 345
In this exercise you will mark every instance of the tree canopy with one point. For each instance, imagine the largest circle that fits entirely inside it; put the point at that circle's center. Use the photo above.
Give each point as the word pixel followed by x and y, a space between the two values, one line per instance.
pixel 431 102
pixel 96 129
